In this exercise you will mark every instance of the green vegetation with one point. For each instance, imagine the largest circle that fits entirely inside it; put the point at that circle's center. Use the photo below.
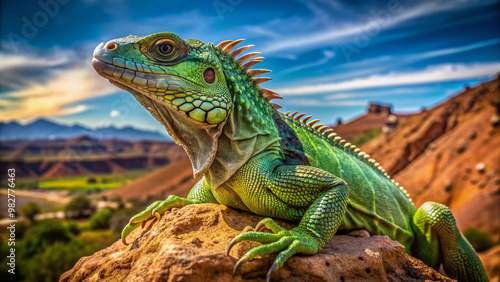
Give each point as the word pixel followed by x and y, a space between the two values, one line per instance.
pixel 367 136
pixel 73 227
pixel 48 249
pixel 55 157
pixel 108 181
pixel 101 237
pixel 100 219
pixel 45 249
pixel 480 240
pixel 79 183
pixel 79 206
pixel 27 184
pixel 43 234
pixel 50 264
pixel 30 210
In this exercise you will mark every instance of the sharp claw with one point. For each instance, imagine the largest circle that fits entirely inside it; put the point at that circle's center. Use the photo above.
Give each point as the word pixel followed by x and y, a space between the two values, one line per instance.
pixel 143 223
pixel 156 214
pixel 259 226
pixel 127 230
pixel 231 244
pixel 124 241
pixel 237 265
pixel 270 272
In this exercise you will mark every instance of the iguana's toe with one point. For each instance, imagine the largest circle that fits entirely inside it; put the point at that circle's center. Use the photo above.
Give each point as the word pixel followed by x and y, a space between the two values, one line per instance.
pixel 127 230
pixel 269 224
pixel 137 220
pixel 156 214
pixel 156 209
pixel 145 214
pixel 282 257
pixel 238 263
pixel 259 226
pixel 286 246
pixel 285 242
pixel 263 238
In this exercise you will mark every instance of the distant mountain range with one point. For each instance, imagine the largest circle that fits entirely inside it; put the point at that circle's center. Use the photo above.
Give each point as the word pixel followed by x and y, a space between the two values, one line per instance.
pixel 43 129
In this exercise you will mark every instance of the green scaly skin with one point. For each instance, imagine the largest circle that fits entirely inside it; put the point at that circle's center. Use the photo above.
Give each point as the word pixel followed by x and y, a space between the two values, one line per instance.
pixel 256 159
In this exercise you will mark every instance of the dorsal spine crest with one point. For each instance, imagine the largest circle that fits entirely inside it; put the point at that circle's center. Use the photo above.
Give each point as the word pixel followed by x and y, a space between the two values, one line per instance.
pixel 245 63
pixel 327 133
pixel 226 48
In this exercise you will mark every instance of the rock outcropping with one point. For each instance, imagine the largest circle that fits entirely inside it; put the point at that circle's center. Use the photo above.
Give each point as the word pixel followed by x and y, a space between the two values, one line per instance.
pixel 188 244
pixel 449 154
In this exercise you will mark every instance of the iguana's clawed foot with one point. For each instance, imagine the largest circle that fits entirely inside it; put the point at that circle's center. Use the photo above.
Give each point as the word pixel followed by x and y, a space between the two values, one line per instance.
pixel 285 242
pixel 156 209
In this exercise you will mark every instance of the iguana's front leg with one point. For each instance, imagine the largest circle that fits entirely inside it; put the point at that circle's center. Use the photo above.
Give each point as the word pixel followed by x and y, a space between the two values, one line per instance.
pixel 290 192
pixel 199 194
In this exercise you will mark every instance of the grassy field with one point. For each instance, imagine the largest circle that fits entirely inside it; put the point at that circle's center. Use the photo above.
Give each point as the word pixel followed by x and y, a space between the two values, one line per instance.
pixel 88 182
pixel 32 157
pixel 103 182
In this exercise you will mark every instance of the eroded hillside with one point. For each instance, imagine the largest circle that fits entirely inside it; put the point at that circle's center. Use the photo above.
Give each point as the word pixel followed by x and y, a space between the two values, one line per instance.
pixel 450 154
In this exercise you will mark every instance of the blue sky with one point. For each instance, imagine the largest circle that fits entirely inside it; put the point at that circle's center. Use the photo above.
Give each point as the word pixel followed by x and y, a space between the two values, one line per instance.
pixel 329 58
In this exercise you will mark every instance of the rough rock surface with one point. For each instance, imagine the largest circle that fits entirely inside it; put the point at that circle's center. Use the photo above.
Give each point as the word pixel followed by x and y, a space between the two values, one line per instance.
pixel 188 244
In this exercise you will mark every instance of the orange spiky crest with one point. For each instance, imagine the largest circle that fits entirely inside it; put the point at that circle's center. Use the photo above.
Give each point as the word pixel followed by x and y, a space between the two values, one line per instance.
pixel 246 62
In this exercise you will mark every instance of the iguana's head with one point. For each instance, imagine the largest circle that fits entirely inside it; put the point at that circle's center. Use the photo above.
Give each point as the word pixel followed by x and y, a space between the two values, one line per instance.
pixel 192 88
pixel 182 75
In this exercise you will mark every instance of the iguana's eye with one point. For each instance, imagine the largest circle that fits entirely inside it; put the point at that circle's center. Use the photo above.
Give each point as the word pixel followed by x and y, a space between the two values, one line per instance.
pixel 166 48
pixel 209 75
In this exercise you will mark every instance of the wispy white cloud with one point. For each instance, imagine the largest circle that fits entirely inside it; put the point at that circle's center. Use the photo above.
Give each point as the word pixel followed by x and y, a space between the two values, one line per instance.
pixel 436 73
pixel 376 21
pixel 327 55
pixel 381 63
pixel 60 95
pixel 380 93
pixel 12 60
pixel 408 58
pixel 451 50
pixel 311 41
pixel 323 103
pixel 258 30
pixel 356 98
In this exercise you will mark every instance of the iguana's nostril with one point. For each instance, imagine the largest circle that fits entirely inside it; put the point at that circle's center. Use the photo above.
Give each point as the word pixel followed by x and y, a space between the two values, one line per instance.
pixel 112 46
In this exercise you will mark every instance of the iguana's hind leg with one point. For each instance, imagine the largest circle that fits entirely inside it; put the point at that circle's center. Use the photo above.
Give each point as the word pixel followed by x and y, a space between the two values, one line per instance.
pixel 290 191
pixel 438 240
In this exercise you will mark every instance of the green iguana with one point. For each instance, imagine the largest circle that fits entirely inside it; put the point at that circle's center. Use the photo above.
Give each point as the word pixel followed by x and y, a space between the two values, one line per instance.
pixel 256 159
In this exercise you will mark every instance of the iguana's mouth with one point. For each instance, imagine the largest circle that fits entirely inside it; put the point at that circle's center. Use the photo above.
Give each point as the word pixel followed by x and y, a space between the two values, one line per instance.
pixel 143 83
pixel 170 104
pixel 161 85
